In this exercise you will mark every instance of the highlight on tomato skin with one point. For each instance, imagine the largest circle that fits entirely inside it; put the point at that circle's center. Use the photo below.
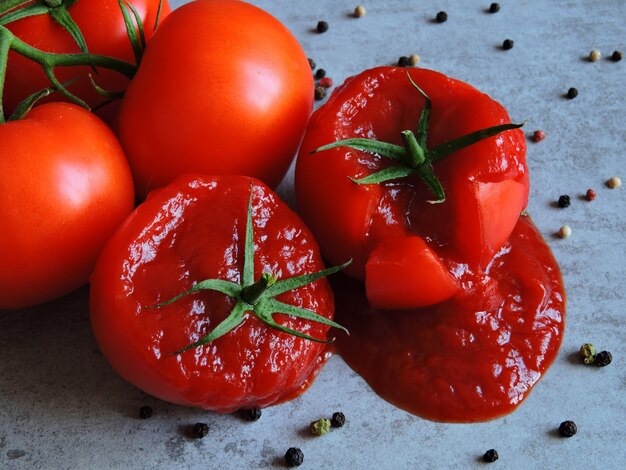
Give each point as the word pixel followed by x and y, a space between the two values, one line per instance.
pixel 65 186
pixel 484 184
pixel 195 230
pixel 202 104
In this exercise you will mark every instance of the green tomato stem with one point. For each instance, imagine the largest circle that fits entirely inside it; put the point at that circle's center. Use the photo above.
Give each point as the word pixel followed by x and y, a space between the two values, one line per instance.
pixel 253 293
pixel 5 46
pixel 8 5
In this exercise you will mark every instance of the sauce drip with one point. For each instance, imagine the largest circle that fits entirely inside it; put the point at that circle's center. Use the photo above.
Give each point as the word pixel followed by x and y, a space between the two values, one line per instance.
pixel 474 357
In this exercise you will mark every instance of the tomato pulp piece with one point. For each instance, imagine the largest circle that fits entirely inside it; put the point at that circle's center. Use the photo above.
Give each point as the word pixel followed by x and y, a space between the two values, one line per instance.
pixel 403 272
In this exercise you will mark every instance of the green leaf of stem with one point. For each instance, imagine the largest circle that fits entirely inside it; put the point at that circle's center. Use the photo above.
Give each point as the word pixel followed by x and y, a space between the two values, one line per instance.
pixel 235 318
pixel 394 152
pixel 292 283
pixel 61 16
pixel 111 95
pixel 49 71
pixel 8 5
pixel 139 23
pixel 27 104
pixel 427 175
pixel 158 15
pixel 229 288
pixel 276 306
pixel 443 150
pixel 133 37
pixel 29 10
pixel 265 314
pixel 6 39
pixel 390 173
pixel 248 251
pixel 424 120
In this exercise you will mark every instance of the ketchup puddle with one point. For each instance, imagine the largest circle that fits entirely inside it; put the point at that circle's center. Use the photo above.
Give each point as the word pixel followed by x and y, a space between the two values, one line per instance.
pixel 473 358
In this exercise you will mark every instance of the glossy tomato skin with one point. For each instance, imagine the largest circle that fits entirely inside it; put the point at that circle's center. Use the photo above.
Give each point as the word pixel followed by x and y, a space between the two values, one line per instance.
pixel 224 88
pixel 102 25
pixel 486 184
pixel 191 230
pixel 65 186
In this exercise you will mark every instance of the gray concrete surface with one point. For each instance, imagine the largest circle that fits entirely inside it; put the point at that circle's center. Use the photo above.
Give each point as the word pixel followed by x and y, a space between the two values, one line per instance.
pixel 61 406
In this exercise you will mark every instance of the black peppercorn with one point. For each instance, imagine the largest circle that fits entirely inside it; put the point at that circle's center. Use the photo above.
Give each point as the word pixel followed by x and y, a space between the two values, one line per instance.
pixel 145 412
pixel 508 44
pixel 441 17
pixel 200 430
pixel 321 73
pixel 320 93
pixel 494 8
pixel 564 201
pixel 603 358
pixel 403 61
pixel 567 428
pixel 251 415
pixel 312 64
pixel 294 457
pixel 322 26
pixel 490 456
pixel 617 56
pixel 338 420
pixel 572 93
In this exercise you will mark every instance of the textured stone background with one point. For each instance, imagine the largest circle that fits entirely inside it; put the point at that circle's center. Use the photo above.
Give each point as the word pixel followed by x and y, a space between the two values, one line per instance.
pixel 61 406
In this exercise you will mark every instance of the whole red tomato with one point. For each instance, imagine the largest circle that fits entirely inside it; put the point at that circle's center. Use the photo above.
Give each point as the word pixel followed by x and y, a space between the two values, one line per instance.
pixel 65 186
pixel 102 25
pixel 410 251
pixel 223 88
pixel 192 230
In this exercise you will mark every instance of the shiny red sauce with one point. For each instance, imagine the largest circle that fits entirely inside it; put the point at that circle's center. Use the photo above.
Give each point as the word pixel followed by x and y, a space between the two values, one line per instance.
pixel 474 357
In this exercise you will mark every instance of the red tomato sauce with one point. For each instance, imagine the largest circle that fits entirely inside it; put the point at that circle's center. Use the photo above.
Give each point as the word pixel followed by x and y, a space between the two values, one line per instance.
pixel 474 357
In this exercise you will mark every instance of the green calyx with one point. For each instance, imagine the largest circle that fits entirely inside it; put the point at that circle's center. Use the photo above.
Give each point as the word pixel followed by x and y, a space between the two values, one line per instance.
pixel 415 158
pixel 258 297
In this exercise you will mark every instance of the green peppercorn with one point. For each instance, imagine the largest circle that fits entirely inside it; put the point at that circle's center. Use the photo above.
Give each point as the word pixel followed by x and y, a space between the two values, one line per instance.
pixel 490 456
pixel 588 352
pixel 320 93
pixel 145 412
pixel 294 457
pixel 320 427
pixel 603 358
pixel 568 428
pixel 338 420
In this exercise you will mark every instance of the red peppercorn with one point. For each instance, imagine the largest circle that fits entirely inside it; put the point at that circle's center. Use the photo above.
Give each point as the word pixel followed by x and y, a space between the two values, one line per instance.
pixel 326 82
pixel 538 135
pixel 590 195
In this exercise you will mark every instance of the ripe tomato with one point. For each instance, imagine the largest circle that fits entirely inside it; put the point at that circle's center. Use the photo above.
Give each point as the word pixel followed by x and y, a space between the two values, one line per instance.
pixel 65 186
pixel 224 88
pixel 192 230
pixel 410 252
pixel 102 25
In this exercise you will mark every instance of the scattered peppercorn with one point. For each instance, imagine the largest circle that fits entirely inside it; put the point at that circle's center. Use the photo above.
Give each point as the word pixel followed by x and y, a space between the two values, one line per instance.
pixel 312 63
pixel 321 73
pixel 145 412
pixel 572 93
pixel 614 182
pixel 200 430
pixel 564 201
pixel 595 55
pixel 320 92
pixel 508 44
pixel 322 26
pixel 441 17
pixel 338 420
pixel 360 11
pixel 294 457
pixel 538 135
pixel 617 56
pixel 253 414
pixel 565 231
pixel 403 61
pixel 414 59
pixel 320 427
pixel 567 428
pixel 326 82
pixel 490 456
pixel 603 358
pixel 590 194
pixel 494 8
pixel 588 352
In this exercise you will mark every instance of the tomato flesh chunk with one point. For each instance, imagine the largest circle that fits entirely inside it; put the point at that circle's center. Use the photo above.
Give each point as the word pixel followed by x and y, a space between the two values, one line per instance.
pixel 403 273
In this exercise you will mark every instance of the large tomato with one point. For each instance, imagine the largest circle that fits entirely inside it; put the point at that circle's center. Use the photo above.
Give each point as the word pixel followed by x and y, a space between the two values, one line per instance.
pixel 102 25
pixel 65 186
pixel 223 88
pixel 192 230
pixel 410 251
